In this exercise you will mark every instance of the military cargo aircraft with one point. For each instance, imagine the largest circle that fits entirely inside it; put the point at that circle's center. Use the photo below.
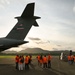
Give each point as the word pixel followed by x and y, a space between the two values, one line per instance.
pixel 17 35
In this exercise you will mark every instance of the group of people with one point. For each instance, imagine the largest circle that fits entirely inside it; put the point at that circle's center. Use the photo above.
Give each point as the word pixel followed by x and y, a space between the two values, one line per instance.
pixel 22 63
pixel 44 61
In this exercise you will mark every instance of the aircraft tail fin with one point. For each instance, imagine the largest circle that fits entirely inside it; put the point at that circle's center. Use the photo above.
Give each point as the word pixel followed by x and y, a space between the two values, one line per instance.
pixel 29 11
pixel 25 22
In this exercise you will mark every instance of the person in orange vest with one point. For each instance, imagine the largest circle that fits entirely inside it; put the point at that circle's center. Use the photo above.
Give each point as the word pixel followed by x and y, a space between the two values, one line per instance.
pixel 17 61
pixel 38 58
pixel 26 62
pixel 20 63
pixel 41 60
pixel 69 59
pixel 45 61
pixel 49 61
pixel 74 59
pixel 30 59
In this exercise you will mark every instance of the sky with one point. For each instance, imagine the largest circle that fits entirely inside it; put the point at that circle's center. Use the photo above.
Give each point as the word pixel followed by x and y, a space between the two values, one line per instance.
pixel 56 29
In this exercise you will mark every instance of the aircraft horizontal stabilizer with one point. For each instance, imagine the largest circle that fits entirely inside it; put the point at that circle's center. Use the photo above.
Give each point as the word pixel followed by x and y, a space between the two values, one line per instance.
pixel 35 24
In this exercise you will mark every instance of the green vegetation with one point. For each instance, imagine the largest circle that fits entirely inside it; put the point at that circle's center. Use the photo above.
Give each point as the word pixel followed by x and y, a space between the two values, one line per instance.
pixel 53 53
pixel 7 56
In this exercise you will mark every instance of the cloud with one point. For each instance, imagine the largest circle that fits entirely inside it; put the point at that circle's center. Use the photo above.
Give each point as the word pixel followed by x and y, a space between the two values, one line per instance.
pixel 35 39
pixel 39 41
pixel 59 45
pixel 42 42
pixel 74 9
pixel 3 3
pixel 1 6
pixel 55 49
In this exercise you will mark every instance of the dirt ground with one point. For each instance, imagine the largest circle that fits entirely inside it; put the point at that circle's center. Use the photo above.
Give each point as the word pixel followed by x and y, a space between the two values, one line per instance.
pixel 7 67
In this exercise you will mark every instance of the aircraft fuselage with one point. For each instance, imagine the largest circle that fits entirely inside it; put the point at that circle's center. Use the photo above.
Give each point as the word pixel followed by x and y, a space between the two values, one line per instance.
pixel 8 43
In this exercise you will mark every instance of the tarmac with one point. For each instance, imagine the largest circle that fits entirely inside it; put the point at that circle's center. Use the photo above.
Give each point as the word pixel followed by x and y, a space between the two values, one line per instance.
pixel 7 67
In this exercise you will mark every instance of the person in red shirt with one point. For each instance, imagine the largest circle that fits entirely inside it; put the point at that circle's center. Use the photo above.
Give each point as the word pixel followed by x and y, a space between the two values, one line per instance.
pixel 38 58
pixel 26 62
pixel 49 61
pixel 30 59
pixel 69 59
pixel 17 61
pixel 41 61
pixel 45 61
pixel 74 59
pixel 20 63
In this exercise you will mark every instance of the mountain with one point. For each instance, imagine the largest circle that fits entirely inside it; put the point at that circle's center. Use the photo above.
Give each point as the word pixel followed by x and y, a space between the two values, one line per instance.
pixel 27 50
pixel 39 50
pixel 34 50
pixel 9 52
